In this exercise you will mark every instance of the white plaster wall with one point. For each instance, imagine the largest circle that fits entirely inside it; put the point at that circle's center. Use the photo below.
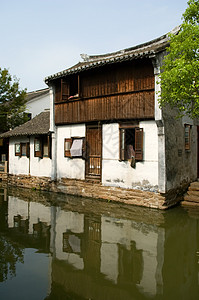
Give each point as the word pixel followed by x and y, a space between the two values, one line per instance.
pixel 67 167
pixel 17 165
pixel 20 165
pixel 39 166
pixel 120 173
pixel 38 104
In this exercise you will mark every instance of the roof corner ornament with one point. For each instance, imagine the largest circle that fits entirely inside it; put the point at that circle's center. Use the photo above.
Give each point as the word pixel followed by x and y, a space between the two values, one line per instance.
pixel 85 57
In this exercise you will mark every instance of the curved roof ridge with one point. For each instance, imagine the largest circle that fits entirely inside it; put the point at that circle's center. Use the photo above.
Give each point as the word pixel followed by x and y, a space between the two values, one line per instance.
pixel 158 40
pixel 93 61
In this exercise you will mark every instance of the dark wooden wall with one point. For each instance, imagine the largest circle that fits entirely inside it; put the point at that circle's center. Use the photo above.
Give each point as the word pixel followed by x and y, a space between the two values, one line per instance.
pixel 123 91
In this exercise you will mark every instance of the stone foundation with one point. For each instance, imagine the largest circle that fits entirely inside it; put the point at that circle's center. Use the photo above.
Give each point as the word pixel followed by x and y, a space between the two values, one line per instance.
pixel 3 176
pixel 97 191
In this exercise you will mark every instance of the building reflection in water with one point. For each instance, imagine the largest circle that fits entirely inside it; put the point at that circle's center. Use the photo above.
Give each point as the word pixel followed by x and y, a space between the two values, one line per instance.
pixel 106 256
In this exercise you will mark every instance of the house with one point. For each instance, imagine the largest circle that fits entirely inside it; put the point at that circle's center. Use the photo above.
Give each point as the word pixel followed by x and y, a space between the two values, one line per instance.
pixel 109 137
pixel 110 128
pixel 30 147
pixel 37 101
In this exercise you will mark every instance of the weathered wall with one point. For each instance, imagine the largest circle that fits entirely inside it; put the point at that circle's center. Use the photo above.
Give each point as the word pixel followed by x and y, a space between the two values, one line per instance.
pixel 181 165
pixel 95 190
pixel 114 172
pixel 120 173
pixel 67 167
pixel 22 165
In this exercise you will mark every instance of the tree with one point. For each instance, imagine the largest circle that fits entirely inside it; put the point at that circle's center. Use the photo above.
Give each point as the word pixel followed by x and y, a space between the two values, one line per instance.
pixel 180 70
pixel 12 102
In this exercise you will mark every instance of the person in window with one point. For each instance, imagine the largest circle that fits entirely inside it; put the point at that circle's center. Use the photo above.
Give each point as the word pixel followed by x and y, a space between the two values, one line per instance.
pixel 131 155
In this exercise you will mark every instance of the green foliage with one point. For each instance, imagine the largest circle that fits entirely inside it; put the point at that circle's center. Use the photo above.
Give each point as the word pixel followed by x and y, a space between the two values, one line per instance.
pixel 12 102
pixel 180 71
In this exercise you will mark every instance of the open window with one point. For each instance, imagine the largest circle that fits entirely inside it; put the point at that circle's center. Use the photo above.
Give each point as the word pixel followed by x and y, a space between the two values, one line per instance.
pixel 38 147
pixel 70 88
pixel 17 149
pixel 74 147
pixel 42 146
pixel 187 134
pixel 22 149
pixel 131 143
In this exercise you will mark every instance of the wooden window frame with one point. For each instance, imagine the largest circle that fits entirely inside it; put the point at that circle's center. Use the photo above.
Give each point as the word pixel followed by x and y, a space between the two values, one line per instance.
pixel 28 149
pixel 138 148
pixel 46 140
pixel 18 153
pixel 70 141
pixel 40 140
pixel 65 90
pixel 67 149
pixel 38 147
pixel 187 137
pixel 25 146
pixel 27 152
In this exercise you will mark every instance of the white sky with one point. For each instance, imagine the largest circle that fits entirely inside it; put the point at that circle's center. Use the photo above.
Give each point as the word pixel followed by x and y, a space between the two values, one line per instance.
pixel 42 37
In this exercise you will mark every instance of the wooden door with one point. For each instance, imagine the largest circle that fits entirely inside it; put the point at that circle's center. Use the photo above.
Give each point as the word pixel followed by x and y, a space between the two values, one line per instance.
pixel 94 152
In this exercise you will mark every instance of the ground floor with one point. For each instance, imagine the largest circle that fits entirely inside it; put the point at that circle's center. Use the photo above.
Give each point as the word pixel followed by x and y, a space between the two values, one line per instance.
pixel 138 162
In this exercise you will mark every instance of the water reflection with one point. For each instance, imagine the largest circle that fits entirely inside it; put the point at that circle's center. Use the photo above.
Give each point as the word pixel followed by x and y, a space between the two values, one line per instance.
pixel 95 253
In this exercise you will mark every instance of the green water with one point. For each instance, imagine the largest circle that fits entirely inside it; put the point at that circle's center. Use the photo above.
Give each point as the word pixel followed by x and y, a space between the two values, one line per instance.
pixel 59 247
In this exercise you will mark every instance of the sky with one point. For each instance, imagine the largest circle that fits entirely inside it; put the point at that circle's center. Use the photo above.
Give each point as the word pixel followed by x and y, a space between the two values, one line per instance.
pixel 42 37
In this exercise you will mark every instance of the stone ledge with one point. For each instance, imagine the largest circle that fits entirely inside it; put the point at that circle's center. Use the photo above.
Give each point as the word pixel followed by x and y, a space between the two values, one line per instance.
pixel 95 190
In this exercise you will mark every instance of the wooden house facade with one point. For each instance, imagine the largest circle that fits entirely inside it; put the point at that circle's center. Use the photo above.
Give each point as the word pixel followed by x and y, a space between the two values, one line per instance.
pixel 109 127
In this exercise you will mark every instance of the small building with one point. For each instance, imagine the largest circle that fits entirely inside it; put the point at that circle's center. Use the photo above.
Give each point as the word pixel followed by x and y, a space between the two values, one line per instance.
pixel 30 147
pixel 37 101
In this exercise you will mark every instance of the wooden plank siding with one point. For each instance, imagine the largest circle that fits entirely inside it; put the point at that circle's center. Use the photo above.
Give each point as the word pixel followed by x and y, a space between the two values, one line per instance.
pixel 124 91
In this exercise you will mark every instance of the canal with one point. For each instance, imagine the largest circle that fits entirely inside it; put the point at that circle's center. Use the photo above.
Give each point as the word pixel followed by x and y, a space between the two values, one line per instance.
pixel 54 246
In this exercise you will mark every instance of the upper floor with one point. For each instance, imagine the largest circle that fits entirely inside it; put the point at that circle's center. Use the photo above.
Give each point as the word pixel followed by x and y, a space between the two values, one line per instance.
pixel 115 86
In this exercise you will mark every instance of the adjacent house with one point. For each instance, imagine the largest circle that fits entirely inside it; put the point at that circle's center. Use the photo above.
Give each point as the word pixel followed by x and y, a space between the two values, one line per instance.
pixel 109 133
pixel 37 101
pixel 30 147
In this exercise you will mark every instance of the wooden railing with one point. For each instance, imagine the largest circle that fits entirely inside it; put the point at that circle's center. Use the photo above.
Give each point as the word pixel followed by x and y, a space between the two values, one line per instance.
pixel 3 167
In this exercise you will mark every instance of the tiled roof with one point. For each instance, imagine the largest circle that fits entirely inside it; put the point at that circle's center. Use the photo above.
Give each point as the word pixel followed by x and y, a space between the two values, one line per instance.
pixel 38 125
pixel 148 49
pixel 35 94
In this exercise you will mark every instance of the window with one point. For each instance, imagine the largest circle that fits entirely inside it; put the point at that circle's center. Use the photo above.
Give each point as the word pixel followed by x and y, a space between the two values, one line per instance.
pixel 67 146
pixel 38 147
pixel 131 143
pixel 46 146
pixel 22 149
pixel 18 149
pixel 42 146
pixel 187 130
pixel 74 147
pixel 70 88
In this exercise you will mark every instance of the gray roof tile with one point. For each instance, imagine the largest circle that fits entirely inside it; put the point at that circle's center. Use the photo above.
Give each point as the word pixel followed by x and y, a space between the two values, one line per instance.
pixel 37 126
